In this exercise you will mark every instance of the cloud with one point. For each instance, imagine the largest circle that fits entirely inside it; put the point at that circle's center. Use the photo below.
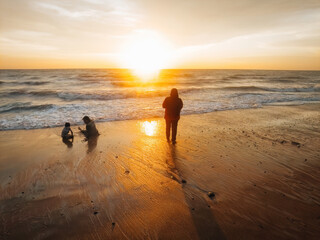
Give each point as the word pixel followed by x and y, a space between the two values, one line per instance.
pixel 68 26
pixel 65 12
pixel 202 29
pixel 192 22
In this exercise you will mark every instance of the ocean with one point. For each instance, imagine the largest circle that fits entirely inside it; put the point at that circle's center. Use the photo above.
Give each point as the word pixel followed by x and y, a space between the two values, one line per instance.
pixel 32 99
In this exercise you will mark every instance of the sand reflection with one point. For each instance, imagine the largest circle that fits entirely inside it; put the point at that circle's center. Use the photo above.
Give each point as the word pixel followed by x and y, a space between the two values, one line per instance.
pixel 150 128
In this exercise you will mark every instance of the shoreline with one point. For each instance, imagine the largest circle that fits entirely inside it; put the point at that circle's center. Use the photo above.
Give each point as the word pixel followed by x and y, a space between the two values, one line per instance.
pixel 275 104
pixel 260 164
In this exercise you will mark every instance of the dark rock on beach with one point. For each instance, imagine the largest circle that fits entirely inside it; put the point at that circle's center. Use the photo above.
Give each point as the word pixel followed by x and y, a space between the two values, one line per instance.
pixel 211 195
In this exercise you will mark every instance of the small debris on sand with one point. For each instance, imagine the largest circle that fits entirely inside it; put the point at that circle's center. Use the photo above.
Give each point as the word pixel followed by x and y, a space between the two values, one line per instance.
pixel 95 213
pixel 295 143
pixel 127 172
pixel 211 195
pixel 184 181
pixel 116 156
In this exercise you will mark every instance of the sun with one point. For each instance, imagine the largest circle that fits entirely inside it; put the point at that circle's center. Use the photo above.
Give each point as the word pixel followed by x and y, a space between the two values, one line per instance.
pixel 145 53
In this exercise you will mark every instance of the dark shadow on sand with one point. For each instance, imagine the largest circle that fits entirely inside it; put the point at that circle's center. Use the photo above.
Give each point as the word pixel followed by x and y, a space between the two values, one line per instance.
pixel 68 142
pixel 92 143
pixel 199 207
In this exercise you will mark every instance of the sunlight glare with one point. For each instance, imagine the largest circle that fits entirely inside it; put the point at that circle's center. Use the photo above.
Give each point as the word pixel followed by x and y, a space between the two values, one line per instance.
pixel 149 128
pixel 146 53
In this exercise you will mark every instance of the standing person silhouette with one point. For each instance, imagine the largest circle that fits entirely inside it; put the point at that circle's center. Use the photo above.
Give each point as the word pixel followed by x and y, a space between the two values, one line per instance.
pixel 91 130
pixel 173 106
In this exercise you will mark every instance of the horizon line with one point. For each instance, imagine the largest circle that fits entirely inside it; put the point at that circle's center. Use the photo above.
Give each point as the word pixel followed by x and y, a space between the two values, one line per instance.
pixel 253 69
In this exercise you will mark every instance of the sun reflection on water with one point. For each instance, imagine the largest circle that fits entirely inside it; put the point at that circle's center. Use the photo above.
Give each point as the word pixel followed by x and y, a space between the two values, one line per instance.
pixel 149 128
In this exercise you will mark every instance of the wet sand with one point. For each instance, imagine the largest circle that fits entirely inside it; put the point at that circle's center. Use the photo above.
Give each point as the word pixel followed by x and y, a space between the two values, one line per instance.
pixel 260 165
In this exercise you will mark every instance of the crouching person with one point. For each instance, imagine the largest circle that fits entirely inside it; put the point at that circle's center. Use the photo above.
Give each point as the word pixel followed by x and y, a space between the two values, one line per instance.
pixel 67 133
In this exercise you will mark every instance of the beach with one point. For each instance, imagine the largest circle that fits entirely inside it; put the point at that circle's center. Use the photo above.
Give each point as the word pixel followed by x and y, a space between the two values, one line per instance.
pixel 238 174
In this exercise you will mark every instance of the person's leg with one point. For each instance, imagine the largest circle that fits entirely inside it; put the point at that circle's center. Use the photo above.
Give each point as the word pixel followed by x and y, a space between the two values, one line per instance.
pixel 174 130
pixel 69 136
pixel 168 126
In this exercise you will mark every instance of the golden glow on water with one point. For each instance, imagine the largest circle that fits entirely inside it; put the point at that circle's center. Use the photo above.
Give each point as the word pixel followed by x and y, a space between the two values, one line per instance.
pixel 150 128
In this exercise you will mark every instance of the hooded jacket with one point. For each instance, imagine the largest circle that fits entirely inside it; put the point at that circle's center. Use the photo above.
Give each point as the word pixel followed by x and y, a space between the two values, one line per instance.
pixel 91 129
pixel 173 106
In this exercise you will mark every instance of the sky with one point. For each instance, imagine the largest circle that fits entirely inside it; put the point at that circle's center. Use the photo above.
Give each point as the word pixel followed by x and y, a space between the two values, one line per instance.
pixel 207 34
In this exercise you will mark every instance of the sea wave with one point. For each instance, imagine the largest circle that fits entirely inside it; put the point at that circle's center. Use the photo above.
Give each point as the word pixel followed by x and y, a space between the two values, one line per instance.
pixel 297 89
pixel 24 106
pixel 90 95
pixel 254 88
pixel 21 92
pixel 240 88
pixel 34 78
pixel 145 93
pixel 46 115
pixel 110 95
pixel 34 83
pixel 47 98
